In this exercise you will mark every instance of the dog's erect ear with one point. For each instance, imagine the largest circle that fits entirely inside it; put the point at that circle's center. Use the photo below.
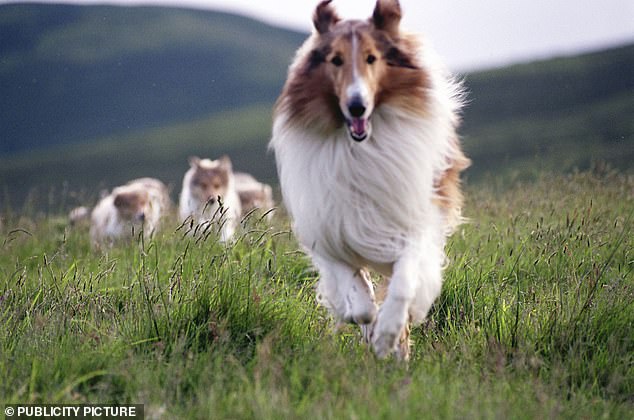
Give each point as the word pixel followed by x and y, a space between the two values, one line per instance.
pixel 325 17
pixel 194 161
pixel 387 16
pixel 120 200
pixel 225 162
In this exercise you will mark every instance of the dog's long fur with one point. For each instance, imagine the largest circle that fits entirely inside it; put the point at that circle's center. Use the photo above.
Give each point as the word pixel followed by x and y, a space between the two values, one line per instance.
pixel 368 157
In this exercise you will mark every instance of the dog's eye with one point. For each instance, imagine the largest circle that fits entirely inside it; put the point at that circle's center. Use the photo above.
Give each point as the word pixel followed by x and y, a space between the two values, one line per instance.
pixel 337 61
pixel 371 59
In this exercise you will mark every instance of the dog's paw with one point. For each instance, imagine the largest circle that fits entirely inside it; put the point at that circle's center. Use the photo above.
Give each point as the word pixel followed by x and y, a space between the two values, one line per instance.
pixel 389 328
pixel 361 307
pixel 361 314
pixel 384 344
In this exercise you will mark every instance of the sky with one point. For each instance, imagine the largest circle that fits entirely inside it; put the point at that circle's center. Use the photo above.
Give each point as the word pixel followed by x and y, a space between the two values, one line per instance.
pixel 469 34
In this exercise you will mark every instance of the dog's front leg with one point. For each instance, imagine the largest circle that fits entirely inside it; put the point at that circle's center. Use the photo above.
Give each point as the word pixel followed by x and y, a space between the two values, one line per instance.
pixel 227 231
pixel 394 312
pixel 416 282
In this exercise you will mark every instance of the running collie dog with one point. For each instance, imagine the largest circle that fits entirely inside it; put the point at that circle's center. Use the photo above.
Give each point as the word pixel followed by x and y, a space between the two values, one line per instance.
pixel 129 209
pixel 364 135
pixel 209 196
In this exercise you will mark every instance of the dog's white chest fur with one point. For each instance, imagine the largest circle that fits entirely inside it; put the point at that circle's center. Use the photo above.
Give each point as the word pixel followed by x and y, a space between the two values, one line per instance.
pixel 368 199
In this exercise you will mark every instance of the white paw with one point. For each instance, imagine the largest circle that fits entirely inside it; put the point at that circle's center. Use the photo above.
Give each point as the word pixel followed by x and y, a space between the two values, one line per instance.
pixel 389 327
pixel 360 312
pixel 361 307
pixel 384 345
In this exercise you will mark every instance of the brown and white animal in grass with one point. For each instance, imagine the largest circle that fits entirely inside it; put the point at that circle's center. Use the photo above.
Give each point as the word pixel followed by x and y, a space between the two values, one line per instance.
pixel 364 135
pixel 135 207
pixel 209 198
pixel 254 194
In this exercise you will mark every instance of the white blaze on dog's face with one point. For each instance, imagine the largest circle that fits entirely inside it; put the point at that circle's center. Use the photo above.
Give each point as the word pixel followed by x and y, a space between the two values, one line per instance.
pixel 355 73
pixel 210 179
pixel 354 67
pixel 132 204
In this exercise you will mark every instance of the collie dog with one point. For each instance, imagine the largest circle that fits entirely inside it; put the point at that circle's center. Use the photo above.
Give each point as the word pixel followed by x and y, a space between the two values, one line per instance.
pixel 364 135
pixel 254 194
pixel 135 207
pixel 209 196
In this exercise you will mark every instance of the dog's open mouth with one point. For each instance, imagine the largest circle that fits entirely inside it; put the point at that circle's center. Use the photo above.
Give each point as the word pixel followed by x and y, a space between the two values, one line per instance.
pixel 359 128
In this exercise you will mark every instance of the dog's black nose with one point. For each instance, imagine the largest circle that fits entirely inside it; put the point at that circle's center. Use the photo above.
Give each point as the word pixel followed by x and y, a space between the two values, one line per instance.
pixel 356 108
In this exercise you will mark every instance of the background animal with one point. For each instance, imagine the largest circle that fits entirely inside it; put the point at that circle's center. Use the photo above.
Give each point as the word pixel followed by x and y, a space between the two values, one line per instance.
pixel 253 194
pixel 206 185
pixel 364 135
pixel 137 206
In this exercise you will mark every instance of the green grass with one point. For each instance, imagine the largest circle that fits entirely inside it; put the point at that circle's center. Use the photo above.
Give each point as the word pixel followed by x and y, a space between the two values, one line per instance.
pixel 535 319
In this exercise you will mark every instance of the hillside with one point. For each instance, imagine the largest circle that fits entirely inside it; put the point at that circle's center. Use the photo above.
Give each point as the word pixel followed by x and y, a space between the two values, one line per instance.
pixel 72 74
pixel 98 95
pixel 556 114
pixel 86 168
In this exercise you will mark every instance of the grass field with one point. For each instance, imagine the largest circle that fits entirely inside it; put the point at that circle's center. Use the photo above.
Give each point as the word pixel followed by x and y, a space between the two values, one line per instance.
pixel 536 318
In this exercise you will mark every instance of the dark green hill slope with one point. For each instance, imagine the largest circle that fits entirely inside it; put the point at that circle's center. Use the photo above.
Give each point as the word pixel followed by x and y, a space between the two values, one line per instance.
pixel 163 152
pixel 76 73
pixel 557 114
pixel 549 88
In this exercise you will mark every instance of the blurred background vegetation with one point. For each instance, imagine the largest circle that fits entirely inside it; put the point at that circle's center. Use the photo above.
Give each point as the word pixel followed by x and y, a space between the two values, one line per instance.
pixel 95 96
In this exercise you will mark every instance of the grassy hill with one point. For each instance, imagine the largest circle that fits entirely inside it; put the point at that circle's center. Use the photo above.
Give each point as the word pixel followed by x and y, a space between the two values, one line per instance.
pixel 99 95
pixel 536 315
pixel 535 319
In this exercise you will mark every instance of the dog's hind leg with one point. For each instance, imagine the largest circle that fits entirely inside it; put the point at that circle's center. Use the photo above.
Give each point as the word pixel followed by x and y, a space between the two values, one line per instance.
pixel 404 344
pixel 346 292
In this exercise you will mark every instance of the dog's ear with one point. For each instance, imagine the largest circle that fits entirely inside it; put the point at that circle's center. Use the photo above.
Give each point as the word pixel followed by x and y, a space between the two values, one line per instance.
pixel 121 200
pixel 225 163
pixel 325 17
pixel 194 161
pixel 387 16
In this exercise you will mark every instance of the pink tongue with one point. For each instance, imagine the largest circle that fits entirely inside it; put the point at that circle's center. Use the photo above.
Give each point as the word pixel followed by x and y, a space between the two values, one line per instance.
pixel 359 125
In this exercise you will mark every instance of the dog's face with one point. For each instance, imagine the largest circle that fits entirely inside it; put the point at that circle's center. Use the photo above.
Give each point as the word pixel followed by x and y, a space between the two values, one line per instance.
pixel 353 67
pixel 351 64
pixel 132 204
pixel 210 178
